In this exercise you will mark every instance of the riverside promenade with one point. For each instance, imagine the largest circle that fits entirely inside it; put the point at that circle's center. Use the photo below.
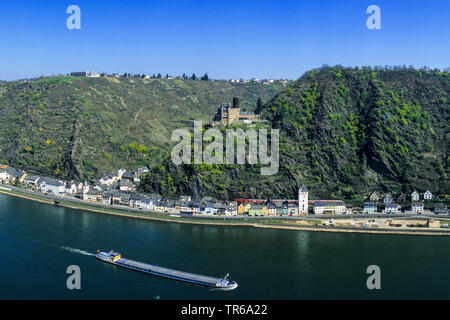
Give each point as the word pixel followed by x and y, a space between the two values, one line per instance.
pixel 303 222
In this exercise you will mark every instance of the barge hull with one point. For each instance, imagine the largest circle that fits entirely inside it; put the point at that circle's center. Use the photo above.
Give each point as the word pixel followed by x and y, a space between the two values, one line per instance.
pixel 168 273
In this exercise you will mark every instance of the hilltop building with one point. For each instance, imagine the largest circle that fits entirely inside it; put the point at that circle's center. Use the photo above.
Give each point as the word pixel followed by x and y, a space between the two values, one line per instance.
pixel 89 74
pixel 303 199
pixel 227 114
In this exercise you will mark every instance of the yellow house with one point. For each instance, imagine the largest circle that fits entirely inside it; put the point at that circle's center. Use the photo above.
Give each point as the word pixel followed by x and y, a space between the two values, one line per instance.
pixel 265 211
pixel 243 208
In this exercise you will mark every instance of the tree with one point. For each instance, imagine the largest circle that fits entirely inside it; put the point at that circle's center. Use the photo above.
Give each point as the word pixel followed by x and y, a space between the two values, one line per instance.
pixel 259 105
pixel 184 76
pixel 205 77
pixel 159 76
pixel 193 77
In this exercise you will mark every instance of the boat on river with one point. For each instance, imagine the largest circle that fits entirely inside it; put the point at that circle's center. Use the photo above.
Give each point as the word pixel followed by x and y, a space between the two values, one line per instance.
pixel 117 259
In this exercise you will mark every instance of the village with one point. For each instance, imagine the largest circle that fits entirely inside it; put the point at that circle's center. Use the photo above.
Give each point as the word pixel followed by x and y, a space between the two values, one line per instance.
pixel 205 77
pixel 119 189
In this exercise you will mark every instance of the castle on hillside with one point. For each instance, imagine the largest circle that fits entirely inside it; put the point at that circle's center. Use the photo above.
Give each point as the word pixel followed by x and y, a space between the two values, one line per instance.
pixel 303 199
pixel 227 114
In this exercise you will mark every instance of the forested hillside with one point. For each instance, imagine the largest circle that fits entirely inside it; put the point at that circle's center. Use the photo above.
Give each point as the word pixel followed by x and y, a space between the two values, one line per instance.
pixel 345 133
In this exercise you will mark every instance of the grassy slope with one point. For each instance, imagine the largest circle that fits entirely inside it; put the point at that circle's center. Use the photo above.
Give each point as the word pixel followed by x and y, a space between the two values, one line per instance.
pixel 80 127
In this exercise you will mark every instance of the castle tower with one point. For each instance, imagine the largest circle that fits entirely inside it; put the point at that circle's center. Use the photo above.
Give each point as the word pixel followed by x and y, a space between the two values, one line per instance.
pixel 303 199
pixel 236 102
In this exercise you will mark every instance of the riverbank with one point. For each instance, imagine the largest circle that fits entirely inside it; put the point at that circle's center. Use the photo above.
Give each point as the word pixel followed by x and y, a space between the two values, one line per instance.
pixel 268 224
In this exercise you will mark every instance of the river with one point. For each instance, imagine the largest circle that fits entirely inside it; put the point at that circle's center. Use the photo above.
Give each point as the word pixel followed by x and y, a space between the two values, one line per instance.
pixel 39 241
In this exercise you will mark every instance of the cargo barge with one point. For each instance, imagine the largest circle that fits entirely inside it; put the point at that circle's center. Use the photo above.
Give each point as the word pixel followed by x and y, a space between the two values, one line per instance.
pixel 116 258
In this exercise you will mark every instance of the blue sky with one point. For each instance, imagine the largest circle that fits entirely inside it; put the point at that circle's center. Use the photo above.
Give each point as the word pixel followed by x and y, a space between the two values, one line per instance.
pixel 227 39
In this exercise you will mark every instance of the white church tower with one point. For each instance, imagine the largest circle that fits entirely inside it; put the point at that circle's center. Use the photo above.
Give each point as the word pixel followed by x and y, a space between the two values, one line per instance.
pixel 303 199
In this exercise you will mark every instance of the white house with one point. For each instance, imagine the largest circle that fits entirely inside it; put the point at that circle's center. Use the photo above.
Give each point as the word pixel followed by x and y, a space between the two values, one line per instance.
pixel 231 209
pixel 125 185
pixel 160 205
pixel 79 186
pixel 392 208
pixel 31 181
pixel 148 203
pixel 303 199
pixel 15 174
pixel 137 178
pixel 93 195
pixel 271 207
pixel 428 195
pixel 107 198
pixel 415 196
pixel 417 207
pixel 370 207
pixel 107 180
pixel 329 207
pixel 183 206
pixel 292 209
pixel 4 175
pixel 73 187
pixel 135 200
pixel 47 185
pixel 441 208
pixel 120 173
pixel 185 198
pixel 195 208
pixel 85 188
pixel 388 198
